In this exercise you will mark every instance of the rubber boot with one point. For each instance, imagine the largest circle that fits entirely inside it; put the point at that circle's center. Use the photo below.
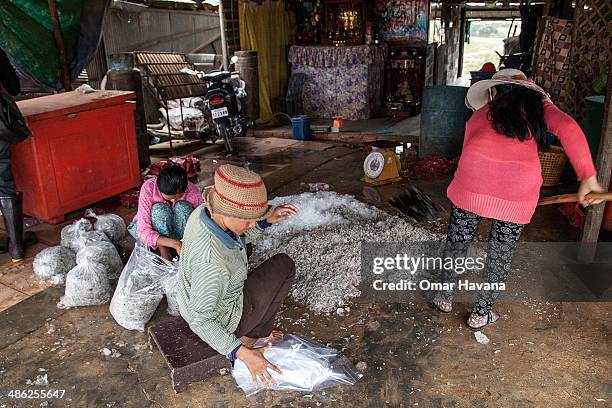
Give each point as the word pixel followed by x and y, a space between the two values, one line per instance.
pixel 13 220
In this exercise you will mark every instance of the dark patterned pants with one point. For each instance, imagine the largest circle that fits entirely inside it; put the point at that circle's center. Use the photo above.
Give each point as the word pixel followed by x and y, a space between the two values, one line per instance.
pixel 502 242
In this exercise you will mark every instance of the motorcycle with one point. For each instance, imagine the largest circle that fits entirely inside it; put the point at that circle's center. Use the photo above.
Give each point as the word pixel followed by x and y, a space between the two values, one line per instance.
pixel 223 100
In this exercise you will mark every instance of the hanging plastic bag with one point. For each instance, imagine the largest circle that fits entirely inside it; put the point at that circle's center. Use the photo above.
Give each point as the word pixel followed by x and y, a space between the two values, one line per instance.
pixel 305 365
pixel 53 263
pixel 170 289
pixel 87 284
pixel 112 225
pixel 140 288
pixel 103 253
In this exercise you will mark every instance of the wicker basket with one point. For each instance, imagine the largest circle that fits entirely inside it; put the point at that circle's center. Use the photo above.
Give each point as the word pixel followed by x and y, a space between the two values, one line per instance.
pixel 552 163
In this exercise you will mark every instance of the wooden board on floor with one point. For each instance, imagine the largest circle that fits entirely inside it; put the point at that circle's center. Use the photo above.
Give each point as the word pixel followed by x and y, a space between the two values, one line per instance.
pixel 10 297
pixel 20 277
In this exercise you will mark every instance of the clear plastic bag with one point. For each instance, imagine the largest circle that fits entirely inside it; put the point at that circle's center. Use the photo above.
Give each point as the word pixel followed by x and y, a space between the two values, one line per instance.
pixel 53 263
pixel 170 289
pixel 104 253
pixel 88 238
pixel 140 288
pixel 87 284
pixel 305 365
pixel 112 225
pixel 71 232
pixel 79 234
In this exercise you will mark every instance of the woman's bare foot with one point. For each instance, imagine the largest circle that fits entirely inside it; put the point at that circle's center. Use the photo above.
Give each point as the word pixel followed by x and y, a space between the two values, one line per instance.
pixel 273 338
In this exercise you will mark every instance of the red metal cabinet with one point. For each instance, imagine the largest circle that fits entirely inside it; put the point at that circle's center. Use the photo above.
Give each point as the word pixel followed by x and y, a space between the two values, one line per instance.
pixel 82 150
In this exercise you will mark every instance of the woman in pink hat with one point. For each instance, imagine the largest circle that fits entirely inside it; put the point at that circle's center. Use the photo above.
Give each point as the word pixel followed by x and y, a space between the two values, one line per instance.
pixel 499 176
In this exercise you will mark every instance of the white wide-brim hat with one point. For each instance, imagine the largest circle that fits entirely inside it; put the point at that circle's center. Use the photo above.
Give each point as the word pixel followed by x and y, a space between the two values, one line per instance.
pixel 478 94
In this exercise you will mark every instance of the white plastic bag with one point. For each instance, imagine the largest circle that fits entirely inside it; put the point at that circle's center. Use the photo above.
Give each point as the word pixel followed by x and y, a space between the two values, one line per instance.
pixel 53 263
pixel 305 365
pixel 170 289
pixel 140 288
pixel 192 118
pixel 112 225
pixel 86 284
pixel 103 253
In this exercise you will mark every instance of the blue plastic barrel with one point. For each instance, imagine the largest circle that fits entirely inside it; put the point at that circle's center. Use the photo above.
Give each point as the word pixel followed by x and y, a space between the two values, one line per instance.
pixel 301 127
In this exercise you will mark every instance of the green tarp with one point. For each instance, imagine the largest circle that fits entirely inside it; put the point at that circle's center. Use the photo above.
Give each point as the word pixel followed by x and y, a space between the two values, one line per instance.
pixel 26 35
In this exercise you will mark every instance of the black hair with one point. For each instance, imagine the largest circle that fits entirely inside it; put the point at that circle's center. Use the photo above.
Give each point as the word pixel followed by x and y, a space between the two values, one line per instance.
pixel 518 112
pixel 172 180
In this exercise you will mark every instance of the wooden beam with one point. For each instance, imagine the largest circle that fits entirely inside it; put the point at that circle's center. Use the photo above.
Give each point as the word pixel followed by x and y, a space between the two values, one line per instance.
pixel 59 43
pixel 592 223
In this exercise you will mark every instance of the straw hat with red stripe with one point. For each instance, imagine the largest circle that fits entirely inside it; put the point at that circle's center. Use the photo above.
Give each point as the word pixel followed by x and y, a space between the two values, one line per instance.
pixel 238 193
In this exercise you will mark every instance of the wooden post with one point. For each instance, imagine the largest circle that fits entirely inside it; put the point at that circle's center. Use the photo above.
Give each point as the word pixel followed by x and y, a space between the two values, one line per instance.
pixel 59 43
pixel 223 39
pixel 592 223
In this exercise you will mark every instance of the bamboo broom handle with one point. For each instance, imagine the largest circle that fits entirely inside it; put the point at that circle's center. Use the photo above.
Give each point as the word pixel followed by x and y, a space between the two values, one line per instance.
pixel 572 198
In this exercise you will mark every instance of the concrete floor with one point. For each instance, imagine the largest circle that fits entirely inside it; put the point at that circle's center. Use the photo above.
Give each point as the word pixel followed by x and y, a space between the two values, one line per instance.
pixel 541 353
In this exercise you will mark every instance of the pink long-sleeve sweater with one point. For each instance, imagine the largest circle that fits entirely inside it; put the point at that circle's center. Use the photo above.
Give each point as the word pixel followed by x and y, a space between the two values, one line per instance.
pixel 149 195
pixel 500 177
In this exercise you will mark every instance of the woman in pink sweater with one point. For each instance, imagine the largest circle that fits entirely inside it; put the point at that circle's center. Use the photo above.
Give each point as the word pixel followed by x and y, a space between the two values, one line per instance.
pixel 499 175
pixel 164 205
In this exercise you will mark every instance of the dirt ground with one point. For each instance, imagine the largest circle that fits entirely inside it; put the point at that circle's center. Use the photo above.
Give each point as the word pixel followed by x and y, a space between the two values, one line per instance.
pixel 540 354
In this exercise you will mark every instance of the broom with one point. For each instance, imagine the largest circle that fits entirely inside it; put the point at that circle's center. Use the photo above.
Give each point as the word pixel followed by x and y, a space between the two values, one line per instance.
pixel 572 198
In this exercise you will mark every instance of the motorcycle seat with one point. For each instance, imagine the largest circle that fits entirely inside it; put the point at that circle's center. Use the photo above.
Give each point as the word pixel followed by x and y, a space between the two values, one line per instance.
pixel 216 75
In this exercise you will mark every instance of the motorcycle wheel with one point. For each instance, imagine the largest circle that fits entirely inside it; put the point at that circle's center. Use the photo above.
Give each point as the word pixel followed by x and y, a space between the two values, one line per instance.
pixel 226 135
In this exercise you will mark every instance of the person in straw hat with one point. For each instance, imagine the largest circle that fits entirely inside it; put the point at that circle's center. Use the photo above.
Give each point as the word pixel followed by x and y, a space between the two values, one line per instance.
pixel 499 176
pixel 229 308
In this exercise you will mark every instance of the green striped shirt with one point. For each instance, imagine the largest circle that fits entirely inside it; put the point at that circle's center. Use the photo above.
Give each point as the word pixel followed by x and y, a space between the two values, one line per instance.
pixel 212 271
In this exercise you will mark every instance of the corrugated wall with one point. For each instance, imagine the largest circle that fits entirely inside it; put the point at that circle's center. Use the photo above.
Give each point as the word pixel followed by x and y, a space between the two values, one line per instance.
pixel 146 29
pixel 130 27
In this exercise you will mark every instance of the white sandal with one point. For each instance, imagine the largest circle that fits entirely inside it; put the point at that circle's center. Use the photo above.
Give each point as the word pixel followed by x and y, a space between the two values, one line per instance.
pixel 477 322
pixel 444 306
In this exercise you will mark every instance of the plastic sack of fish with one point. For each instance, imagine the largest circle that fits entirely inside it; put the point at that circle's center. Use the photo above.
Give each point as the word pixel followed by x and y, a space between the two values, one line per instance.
pixel 141 288
pixel 53 263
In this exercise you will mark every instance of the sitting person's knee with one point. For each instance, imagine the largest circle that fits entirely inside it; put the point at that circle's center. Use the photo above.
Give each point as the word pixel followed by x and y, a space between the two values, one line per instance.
pixel 161 218
pixel 160 209
pixel 288 265
pixel 183 206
